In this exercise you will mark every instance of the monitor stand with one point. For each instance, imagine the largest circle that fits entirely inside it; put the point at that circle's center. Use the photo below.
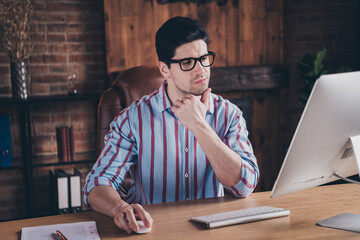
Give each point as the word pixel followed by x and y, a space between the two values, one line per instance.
pixel 355 142
pixel 346 221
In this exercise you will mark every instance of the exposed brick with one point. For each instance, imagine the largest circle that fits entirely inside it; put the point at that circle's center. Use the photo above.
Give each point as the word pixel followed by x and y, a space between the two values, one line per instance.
pixel 94 17
pixel 37 37
pixel 40 48
pixel 58 37
pixel 42 129
pixel 4 58
pixel 47 58
pixel 40 88
pixel 60 88
pixel 44 149
pixel 86 58
pixel 84 37
pixel 35 69
pixel 58 68
pixel 73 6
pixel 64 27
pixel 80 116
pixel 50 78
pixel 4 70
pixel 95 47
pixel 41 118
pixel 49 17
pixel 5 91
pixel 60 118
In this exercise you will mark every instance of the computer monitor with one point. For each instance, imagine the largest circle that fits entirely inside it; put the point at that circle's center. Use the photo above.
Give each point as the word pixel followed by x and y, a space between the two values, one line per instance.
pixel 327 138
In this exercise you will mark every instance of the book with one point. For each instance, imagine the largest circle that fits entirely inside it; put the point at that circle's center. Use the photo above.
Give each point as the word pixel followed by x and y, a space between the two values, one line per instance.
pixel 5 142
pixel 62 147
pixel 72 143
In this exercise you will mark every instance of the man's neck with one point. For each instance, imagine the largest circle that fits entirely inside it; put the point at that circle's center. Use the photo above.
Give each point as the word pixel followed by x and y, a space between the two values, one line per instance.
pixel 178 95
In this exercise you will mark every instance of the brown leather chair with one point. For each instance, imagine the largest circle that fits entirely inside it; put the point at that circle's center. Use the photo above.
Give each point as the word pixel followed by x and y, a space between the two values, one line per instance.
pixel 130 85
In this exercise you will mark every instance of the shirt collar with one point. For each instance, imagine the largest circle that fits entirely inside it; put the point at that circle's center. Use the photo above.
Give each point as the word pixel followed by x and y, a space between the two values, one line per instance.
pixel 163 99
pixel 165 103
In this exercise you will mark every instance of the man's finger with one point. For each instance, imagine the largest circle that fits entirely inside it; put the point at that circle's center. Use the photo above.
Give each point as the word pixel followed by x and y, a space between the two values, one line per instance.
pixel 122 223
pixel 143 215
pixel 205 96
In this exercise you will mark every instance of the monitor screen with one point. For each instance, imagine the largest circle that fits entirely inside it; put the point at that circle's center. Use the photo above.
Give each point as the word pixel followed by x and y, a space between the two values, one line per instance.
pixel 321 145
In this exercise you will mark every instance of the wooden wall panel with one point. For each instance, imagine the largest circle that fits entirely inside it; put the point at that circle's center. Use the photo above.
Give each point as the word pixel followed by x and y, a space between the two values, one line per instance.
pixel 242 32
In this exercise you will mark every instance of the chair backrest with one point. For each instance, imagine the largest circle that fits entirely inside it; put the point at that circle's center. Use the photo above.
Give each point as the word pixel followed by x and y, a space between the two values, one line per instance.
pixel 130 85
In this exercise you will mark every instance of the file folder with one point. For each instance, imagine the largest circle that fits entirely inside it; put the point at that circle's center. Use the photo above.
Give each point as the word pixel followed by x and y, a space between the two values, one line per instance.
pixel 59 189
pixel 5 142
pixel 75 191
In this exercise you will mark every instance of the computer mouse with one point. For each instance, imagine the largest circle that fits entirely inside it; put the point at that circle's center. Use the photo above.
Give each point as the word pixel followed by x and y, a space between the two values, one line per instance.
pixel 142 228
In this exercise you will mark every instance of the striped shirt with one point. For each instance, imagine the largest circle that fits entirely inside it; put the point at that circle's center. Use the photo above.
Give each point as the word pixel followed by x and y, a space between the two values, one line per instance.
pixel 164 158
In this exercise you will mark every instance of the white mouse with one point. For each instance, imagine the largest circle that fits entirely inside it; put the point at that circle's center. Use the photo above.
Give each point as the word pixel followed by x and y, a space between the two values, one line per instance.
pixel 142 228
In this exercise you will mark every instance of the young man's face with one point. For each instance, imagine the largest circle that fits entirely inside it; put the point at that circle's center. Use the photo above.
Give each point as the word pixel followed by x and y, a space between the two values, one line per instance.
pixel 195 81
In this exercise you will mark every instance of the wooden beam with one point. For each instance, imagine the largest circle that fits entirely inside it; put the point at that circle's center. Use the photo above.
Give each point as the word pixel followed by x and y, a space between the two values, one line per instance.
pixel 229 79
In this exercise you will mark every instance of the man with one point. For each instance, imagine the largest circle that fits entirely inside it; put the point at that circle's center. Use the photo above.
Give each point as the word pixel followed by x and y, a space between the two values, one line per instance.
pixel 181 142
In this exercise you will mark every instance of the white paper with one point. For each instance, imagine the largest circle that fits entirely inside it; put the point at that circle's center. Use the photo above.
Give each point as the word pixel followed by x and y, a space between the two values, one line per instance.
pixel 76 231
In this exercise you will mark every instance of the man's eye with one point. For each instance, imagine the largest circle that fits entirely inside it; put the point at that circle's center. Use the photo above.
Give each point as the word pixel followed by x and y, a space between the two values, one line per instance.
pixel 186 62
pixel 204 58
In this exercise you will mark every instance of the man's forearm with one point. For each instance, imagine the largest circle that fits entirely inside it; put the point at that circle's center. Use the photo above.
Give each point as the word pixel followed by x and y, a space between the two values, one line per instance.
pixel 225 162
pixel 105 200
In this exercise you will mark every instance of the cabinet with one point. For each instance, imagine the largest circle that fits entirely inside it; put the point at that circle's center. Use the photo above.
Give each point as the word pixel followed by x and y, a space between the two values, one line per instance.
pixel 28 162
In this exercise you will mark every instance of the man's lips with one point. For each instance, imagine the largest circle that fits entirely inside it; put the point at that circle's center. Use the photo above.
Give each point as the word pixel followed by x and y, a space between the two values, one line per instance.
pixel 201 80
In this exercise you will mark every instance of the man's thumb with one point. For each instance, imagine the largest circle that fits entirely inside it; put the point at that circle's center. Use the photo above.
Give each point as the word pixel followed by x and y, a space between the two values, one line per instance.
pixel 205 96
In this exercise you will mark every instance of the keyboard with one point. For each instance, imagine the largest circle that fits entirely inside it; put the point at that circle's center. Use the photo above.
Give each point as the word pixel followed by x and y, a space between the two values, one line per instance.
pixel 241 216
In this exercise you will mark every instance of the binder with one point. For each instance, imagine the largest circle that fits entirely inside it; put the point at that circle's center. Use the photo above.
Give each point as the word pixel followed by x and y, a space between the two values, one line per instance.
pixel 59 189
pixel 5 142
pixel 75 191
pixel 65 190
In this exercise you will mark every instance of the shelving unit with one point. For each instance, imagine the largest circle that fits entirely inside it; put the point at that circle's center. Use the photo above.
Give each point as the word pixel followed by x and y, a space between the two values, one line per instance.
pixel 27 159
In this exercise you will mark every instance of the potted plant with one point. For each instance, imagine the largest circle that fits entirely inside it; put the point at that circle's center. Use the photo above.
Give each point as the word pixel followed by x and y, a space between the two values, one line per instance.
pixel 14 37
pixel 311 68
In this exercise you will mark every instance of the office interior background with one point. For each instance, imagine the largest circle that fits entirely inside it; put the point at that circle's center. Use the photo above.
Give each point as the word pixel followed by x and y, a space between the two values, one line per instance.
pixel 81 44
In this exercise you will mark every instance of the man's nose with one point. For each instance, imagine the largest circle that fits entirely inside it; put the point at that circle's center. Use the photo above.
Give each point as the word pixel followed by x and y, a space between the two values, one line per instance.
pixel 199 68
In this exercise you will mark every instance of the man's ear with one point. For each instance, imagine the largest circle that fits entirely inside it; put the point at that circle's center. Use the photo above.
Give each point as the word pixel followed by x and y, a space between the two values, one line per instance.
pixel 164 69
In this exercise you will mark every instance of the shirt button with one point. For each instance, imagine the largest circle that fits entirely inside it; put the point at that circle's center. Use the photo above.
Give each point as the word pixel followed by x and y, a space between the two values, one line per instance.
pixel 186 175
pixel 186 149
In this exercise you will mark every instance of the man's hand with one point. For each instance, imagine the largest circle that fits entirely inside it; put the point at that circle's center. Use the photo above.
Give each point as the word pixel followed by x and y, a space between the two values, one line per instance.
pixel 125 217
pixel 106 200
pixel 190 110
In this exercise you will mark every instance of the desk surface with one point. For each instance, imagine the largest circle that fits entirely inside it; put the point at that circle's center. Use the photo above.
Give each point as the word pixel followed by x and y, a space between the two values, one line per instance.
pixel 171 220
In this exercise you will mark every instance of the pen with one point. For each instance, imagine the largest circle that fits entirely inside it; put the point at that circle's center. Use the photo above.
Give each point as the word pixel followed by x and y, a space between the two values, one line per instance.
pixel 61 235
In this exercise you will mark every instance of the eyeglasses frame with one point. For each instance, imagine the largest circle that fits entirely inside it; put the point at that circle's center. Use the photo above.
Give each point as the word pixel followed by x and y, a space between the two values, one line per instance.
pixel 169 61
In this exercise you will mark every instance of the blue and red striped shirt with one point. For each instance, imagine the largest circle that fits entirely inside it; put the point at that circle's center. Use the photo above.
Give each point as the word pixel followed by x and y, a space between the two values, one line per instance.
pixel 164 158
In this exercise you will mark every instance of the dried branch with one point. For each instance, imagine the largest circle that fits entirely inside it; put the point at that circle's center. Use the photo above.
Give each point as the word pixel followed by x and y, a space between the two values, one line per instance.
pixel 15 28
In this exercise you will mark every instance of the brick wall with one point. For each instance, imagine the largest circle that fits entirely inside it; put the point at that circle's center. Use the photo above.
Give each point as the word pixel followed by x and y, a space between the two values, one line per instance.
pixel 68 37
pixel 308 27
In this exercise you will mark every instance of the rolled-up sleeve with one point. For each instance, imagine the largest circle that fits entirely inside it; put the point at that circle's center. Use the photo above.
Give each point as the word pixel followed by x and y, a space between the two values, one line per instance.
pixel 116 158
pixel 237 139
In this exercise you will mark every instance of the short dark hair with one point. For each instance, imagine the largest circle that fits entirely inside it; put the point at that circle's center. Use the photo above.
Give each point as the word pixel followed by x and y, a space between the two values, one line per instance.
pixel 175 32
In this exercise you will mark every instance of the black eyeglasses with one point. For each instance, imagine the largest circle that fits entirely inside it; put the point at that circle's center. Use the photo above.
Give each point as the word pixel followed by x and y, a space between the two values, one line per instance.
pixel 187 64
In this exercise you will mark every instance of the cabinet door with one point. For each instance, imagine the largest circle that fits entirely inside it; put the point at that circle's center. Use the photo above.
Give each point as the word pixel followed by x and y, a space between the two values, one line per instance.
pixel 129 33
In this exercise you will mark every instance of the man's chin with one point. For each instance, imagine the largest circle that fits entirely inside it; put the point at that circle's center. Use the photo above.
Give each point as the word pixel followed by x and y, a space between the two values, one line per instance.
pixel 199 93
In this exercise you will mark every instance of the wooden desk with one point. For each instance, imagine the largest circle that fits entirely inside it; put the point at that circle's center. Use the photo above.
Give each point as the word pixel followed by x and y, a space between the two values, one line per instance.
pixel 171 220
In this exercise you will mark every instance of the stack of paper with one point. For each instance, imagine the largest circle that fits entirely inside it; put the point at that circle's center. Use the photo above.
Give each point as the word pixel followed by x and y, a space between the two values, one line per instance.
pixel 78 231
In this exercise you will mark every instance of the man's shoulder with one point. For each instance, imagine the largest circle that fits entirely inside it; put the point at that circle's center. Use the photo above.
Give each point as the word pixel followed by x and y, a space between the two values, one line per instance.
pixel 219 101
pixel 147 101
